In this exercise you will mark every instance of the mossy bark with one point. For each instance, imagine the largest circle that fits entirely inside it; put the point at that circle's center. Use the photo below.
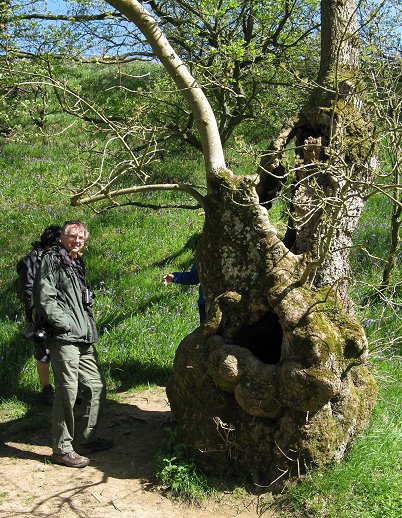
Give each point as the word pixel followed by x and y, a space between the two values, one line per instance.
pixel 276 378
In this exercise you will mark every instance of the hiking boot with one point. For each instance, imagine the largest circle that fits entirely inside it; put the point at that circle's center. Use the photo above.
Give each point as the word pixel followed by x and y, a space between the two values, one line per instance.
pixel 47 395
pixel 96 445
pixel 70 459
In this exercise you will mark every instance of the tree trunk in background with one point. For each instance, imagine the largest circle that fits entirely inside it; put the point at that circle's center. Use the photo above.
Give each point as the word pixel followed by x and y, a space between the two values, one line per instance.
pixel 276 378
pixel 334 153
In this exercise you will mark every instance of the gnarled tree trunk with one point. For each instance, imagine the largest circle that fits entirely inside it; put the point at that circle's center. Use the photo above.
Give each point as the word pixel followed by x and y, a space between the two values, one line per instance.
pixel 275 379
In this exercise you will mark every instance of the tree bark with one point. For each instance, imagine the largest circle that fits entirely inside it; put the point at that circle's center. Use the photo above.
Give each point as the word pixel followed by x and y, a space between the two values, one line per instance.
pixel 275 379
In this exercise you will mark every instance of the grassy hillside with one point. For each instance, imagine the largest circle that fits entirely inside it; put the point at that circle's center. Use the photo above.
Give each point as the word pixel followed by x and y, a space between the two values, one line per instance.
pixel 140 321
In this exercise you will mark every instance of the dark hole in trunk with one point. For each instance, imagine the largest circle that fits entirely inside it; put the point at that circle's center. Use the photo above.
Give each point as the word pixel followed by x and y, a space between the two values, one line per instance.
pixel 263 338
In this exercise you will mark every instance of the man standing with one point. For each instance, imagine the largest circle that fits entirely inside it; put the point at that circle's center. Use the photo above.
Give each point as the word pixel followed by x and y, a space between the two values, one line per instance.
pixel 62 300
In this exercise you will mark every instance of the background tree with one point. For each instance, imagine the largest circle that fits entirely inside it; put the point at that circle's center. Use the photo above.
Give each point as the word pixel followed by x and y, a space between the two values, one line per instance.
pixel 237 51
pixel 382 70
pixel 326 202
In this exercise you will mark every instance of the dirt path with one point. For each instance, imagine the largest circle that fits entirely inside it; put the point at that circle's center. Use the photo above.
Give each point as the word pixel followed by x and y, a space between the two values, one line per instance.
pixel 117 483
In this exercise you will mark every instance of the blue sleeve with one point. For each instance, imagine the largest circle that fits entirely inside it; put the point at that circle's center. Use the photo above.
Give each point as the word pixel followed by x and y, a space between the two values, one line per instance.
pixel 190 277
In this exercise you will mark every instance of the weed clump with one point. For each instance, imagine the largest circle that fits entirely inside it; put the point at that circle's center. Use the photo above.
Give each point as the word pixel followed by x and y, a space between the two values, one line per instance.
pixel 181 478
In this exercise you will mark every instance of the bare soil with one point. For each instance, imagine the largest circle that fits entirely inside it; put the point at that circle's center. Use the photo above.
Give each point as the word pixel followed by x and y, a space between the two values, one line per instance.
pixel 119 482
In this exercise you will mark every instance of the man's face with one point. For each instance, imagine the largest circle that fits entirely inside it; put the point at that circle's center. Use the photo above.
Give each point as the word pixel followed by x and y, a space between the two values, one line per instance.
pixel 73 240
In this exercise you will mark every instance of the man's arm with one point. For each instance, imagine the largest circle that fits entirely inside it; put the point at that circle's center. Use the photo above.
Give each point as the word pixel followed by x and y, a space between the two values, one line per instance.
pixel 190 277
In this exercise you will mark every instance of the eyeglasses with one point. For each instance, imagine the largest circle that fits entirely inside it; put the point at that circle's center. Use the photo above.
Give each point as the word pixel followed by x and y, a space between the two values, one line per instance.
pixel 75 236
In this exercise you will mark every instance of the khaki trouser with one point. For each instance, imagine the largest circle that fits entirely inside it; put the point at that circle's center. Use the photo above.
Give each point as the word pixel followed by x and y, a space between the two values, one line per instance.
pixel 75 365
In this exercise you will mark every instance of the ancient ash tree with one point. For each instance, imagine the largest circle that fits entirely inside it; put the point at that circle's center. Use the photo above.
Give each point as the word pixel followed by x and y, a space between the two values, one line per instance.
pixel 276 379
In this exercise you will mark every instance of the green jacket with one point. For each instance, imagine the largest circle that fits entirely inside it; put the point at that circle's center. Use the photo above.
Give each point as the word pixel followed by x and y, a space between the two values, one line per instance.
pixel 57 298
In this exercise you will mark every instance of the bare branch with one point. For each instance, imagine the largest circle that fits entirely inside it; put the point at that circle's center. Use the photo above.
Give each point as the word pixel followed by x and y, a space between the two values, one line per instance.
pixel 67 18
pixel 76 200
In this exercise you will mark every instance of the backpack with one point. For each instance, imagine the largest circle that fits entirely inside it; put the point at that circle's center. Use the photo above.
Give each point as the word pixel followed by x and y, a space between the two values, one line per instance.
pixel 26 268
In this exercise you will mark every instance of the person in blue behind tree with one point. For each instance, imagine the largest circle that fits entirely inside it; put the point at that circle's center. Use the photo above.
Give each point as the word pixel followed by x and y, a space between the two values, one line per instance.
pixel 188 278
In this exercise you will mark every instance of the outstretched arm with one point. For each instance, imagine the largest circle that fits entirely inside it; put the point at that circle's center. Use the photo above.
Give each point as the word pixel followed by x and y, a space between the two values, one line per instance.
pixel 190 277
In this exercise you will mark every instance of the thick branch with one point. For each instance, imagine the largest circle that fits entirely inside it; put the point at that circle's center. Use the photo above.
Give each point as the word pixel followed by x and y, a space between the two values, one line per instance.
pixel 203 114
pixel 108 60
pixel 339 42
pixel 149 206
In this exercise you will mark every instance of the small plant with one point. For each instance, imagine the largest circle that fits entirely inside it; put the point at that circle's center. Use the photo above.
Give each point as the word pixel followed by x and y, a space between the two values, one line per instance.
pixel 179 474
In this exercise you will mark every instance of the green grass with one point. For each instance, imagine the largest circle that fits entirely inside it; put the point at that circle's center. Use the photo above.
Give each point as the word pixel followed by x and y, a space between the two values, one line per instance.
pixel 141 322
pixel 12 409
